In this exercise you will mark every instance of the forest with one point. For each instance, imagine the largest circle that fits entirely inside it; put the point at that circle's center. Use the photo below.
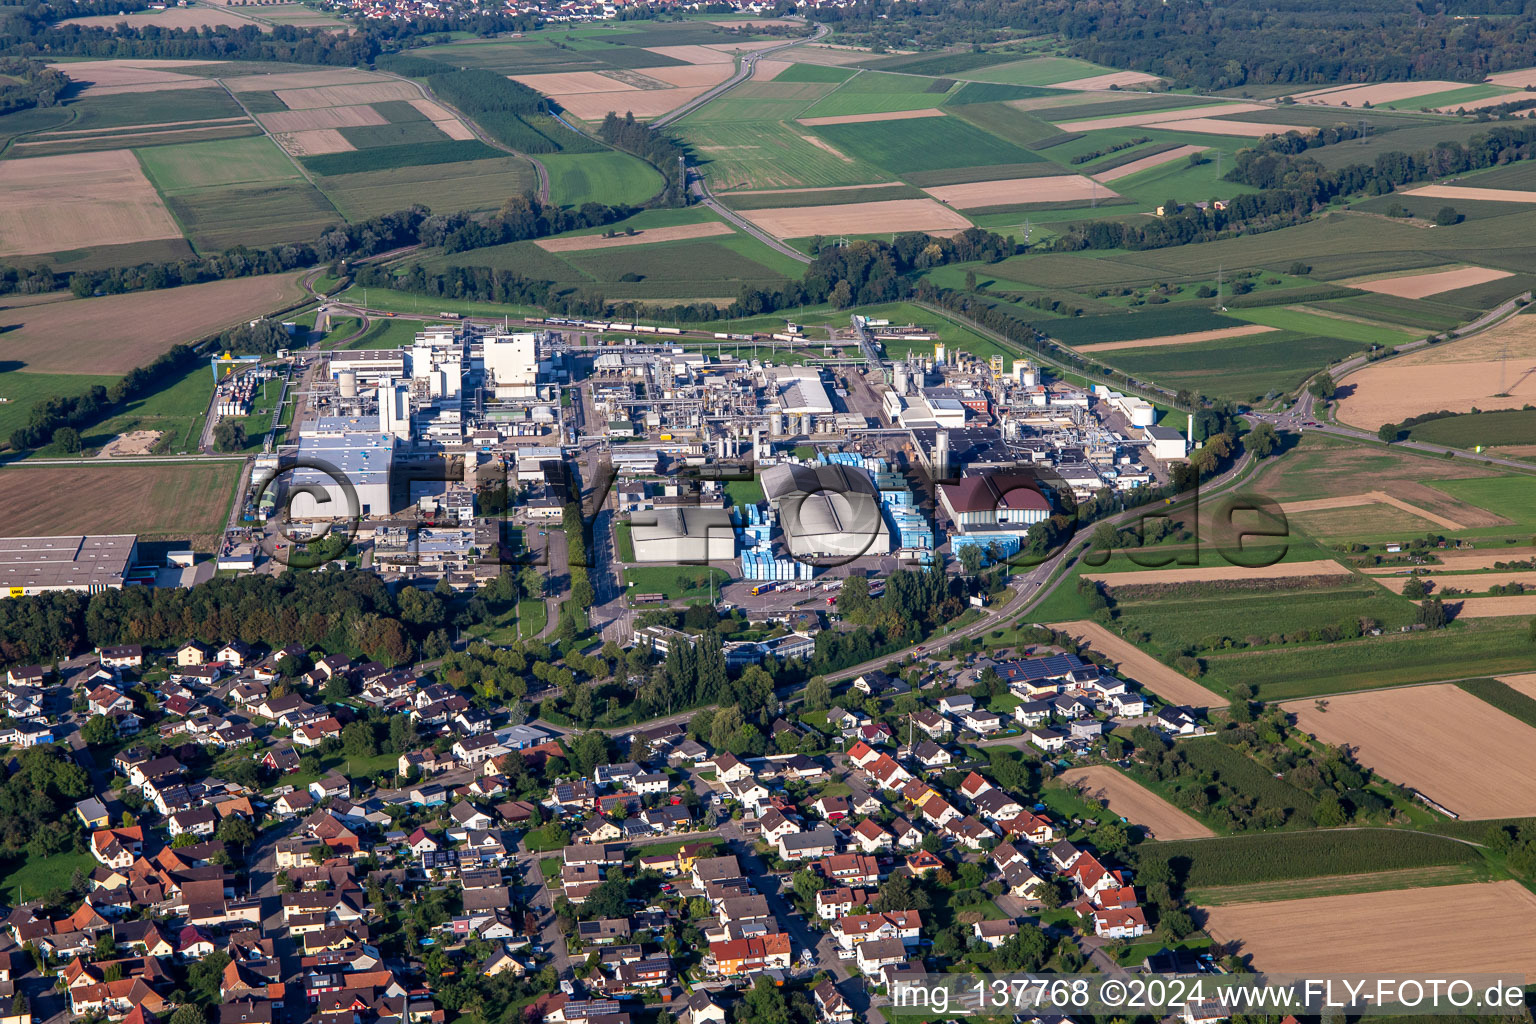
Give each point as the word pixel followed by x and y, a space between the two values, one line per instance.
pixel 1305 43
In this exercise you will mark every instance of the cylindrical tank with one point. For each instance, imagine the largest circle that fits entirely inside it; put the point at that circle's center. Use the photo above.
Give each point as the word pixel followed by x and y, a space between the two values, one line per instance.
pixel 348 383
pixel 901 377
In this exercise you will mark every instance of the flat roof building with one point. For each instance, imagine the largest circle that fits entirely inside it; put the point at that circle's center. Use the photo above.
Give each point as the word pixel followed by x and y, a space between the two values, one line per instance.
pixel 38 565
pixel 327 465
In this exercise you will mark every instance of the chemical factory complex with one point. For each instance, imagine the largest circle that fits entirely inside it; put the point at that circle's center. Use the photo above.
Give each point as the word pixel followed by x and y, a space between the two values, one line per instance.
pixel 780 472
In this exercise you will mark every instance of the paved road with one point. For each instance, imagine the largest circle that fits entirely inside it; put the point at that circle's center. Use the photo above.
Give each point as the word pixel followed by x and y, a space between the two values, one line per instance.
pixel 743 72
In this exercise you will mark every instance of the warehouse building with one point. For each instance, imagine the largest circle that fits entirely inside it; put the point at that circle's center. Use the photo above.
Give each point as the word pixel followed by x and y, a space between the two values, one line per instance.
pixel 318 488
pixel 86 564
pixel 995 501
pixel 827 511
pixel 683 535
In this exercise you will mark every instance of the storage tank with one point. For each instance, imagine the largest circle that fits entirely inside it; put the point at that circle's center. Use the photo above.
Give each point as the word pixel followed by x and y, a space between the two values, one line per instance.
pixel 348 383
pixel 901 377
pixel 938 354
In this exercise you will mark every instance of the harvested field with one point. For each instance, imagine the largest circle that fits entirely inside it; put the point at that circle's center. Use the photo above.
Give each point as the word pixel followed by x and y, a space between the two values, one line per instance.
pixel 1146 163
pixel 1142 667
pixel 1514 79
pixel 186 501
pixel 693 54
pixel 116 333
pixel 433 111
pixel 136 127
pixel 174 17
pixel 858 218
pixel 1438 739
pixel 346 95
pixel 79 200
pixel 102 74
pixel 1496 195
pixel 1152 117
pixel 1442 930
pixel 1371 498
pixel 1376 95
pixel 1095 83
pixel 454 129
pixel 690 75
pixel 640 102
pixel 1060 188
pixel 1417 286
pixel 1245 129
pixel 1192 338
pixel 768 70
pixel 1455 376
pixel 302 80
pixel 120 142
pixel 570 83
pixel 1202 573
pixel 316 118
pixel 1466 561
pixel 1494 607
pixel 1463 581
pixel 890 115
pixel 1132 800
pixel 314 143
pixel 121 90
pixel 581 243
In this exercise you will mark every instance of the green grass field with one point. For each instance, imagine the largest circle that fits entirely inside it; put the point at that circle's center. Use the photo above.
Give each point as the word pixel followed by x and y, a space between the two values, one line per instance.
pixel 771 154
pixel 226 162
pixel 611 178
pixel 1036 71
pixel 471 185
pixel 1287 856
pixel 1310 323
pixel 22 391
pixel 178 410
pixel 220 218
pixel 674 581
pixel 924 144
pixel 386 158
pixel 1487 429
pixel 814 73
pixel 1472 648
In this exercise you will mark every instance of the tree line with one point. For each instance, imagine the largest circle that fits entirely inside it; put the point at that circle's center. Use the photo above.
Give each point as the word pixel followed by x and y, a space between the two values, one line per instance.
pixel 25 84
pixel 59 411
pixel 861 273
pixel 1222 46
pixel 656 148
pixel 340 612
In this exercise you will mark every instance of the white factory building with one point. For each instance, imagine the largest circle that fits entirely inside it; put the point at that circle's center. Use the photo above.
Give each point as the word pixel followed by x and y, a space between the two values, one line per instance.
pixel 827 511
pixel 512 364
pixel 687 535
pixel 316 490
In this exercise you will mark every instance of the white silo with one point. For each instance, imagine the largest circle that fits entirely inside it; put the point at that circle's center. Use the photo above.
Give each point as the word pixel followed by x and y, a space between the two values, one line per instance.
pixel 348 383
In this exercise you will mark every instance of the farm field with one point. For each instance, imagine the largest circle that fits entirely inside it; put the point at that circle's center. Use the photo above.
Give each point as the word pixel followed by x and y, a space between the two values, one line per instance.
pixel 1446 929
pixel 469 185
pixel 1200 574
pixel 1323 467
pixel 1167 340
pixel 22 391
pixel 156 502
pixel 1509 429
pixel 1142 667
pixel 1293 508
pixel 1440 740
pixel 57 203
pixel 611 178
pixel 1130 799
pixel 117 333
pixel 1418 286
pixel 1394 659
pixel 771 155
pixel 1456 376
pixel 859 218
